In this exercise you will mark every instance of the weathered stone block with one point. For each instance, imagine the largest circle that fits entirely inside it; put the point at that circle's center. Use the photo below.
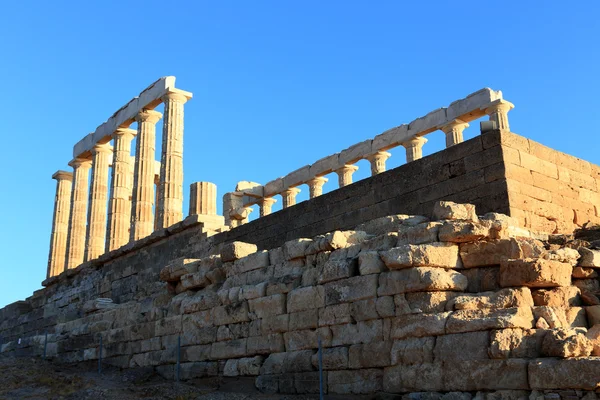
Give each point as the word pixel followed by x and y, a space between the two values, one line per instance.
pixel 505 298
pixel 481 320
pixel 574 373
pixel 568 296
pixel 333 358
pixel 426 232
pixel 228 349
pixel 589 258
pixel 179 267
pixel 335 314
pixel 566 343
pixel 423 302
pixel 355 382
pixel 417 350
pixel 305 298
pixel 450 210
pixel 516 343
pixel 351 289
pixel 266 344
pixel 462 232
pixel 308 319
pixel 334 270
pixel 494 252
pixel 256 260
pixel 370 263
pixel 307 339
pixel 267 306
pixel 418 325
pixel 295 248
pixel 372 355
pixel 462 346
pixel 230 314
pixel 236 250
pixel 420 279
pixel 201 301
pixel 443 255
pixel 361 332
pixel 535 273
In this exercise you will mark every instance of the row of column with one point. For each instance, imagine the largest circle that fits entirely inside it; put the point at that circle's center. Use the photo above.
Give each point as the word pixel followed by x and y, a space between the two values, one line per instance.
pixel 82 231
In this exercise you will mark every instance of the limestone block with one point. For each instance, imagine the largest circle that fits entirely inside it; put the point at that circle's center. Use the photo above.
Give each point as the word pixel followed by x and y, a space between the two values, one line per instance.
pixel 577 373
pixel 469 107
pixel 391 223
pixel 505 298
pixel 335 269
pixel 593 334
pixel 273 187
pixel 250 366
pixel 566 343
pixel 307 339
pixel 429 123
pixel 196 280
pixel 296 248
pixel 420 279
pixel 230 314
pixel 231 368
pixel 233 331
pixel 308 319
pixel 462 346
pixel 274 324
pixel 167 326
pixel 195 353
pixel 462 231
pixel 474 375
pixel 355 382
pixel 584 273
pixel 587 285
pixel 351 289
pixel 413 350
pixel 257 260
pixel 276 256
pixel 413 378
pixel 589 258
pixel 423 302
pixel 334 358
pixel 449 210
pixel 360 332
pixel 418 325
pixel 554 317
pixel 391 138
pixel 335 314
pixel 305 298
pixel 384 306
pixel 481 320
pixel 267 306
pixel 297 177
pixel 557 297
pixel 534 273
pixel 325 165
pixel 249 292
pixel 371 355
pixel 426 232
pixel 236 250
pixel 444 255
pixel 493 252
pixel 228 349
pixel 565 254
pixel 516 343
pixel 267 344
pixel 593 315
pixel 291 361
pixel 355 152
pixel 369 262
pixel 251 189
pixel 179 267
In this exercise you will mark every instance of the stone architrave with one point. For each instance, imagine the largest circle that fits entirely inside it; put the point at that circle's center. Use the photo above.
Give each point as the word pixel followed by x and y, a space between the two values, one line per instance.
pixel 498 112
pixel 454 132
pixel 266 205
pixel 78 213
pixel 60 223
pixel 289 196
pixel 315 186
pixel 377 161
pixel 169 207
pixel 119 206
pixel 96 228
pixel 142 221
pixel 203 198
pixel 345 174
pixel 414 148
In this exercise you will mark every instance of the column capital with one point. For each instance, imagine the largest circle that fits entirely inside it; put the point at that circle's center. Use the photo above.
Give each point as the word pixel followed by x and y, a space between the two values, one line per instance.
pixel 124 132
pixel 417 141
pixel 102 148
pixel 377 161
pixel 346 168
pixel 150 116
pixel 80 162
pixel 499 105
pixel 293 191
pixel 61 175
pixel 267 201
pixel 179 96
pixel 454 124
pixel 316 180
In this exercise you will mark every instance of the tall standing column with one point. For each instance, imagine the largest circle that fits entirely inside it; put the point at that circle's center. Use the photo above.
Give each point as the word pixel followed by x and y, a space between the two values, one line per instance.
pixel 119 205
pixel 414 148
pixel 60 223
pixel 96 229
pixel 142 221
pixel 170 188
pixel 78 213
pixel 454 132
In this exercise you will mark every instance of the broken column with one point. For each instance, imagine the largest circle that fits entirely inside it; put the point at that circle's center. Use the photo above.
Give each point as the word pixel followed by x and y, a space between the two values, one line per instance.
pixel 142 221
pixel 169 207
pixel 119 206
pixel 414 148
pixel 345 174
pixel 60 223
pixel 78 213
pixel 96 229
pixel 454 132
pixel 377 161
pixel 203 198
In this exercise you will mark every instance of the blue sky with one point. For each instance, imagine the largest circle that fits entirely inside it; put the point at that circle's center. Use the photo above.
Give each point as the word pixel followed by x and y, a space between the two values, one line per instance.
pixel 277 85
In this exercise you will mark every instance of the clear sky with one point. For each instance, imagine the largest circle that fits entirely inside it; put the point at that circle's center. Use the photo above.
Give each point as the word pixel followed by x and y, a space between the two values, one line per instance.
pixel 277 85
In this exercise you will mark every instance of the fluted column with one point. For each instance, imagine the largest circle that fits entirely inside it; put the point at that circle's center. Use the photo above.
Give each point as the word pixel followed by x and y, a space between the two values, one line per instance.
pixel 377 161
pixel 78 213
pixel 142 221
pixel 96 228
pixel 119 205
pixel 170 188
pixel 454 132
pixel 315 186
pixel 203 198
pixel 289 196
pixel 345 174
pixel 266 205
pixel 414 148
pixel 60 223
pixel 498 112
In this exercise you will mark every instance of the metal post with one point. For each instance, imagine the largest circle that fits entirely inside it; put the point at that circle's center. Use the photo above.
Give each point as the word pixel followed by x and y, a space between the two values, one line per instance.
pixel 320 371
pixel 45 343
pixel 100 357
pixel 178 356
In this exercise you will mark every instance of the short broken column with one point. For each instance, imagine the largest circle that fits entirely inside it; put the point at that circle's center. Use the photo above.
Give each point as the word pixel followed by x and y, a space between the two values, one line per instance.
pixel 169 207
pixel 345 174
pixel 78 213
pixel 377 161
pixel 60 223
pixel 234 211
pixel 96 229
pixel 315 186
pixel 203 198
pixel 454 132
pixel 142 221
pixel 498 112
pixel 266 205
pixel 289 197
pixel 119 205
pixel 414 148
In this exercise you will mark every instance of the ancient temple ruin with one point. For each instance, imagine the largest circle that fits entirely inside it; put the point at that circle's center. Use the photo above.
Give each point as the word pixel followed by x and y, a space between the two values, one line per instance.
pixel 471 270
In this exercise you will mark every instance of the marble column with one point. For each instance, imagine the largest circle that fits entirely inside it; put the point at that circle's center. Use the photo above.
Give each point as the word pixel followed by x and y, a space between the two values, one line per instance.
pixel 315 186
pixel 377 161
pixel 498 112
pixel 203 198
pixel 345 174
pixel 78 213
pixel 96 228
pixel 170 188
pixel 454 132
pixel 266 205
pixel 142 220
pixel 414 148
pixel 289 197
pixel 60 223
pixel 119 205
